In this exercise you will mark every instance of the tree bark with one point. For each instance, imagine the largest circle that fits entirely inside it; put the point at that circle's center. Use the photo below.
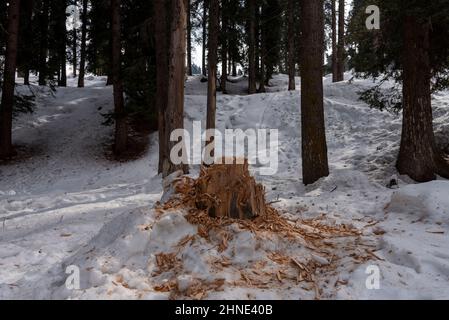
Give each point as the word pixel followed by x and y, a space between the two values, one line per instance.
pixel 334 44
pixel 74 41
pixel 6 149
pixel 252 86
pixel 224 47
pixel 341 41
pixel 418 155
pixel 83 46
pixel 62 19
pixel 314 147
pixel 162 48
pixel 189 40
pixel 291 46
pixel 44 21
pixel 121 128
pixel 204 25
pixel 174 113
pixel 214 11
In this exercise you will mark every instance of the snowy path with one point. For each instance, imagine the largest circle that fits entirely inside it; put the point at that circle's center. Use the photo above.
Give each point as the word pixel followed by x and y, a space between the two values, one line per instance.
pixel 66 204
pixel 55 201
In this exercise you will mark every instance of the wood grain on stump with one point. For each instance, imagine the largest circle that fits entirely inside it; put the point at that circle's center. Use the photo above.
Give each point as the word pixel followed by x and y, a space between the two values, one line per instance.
pixel 228 190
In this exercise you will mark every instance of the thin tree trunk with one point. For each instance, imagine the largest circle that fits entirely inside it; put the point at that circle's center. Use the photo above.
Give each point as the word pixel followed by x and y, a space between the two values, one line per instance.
pixel 174 116
pixel 418 155
pixel 291 47
pixel 189 40
pixel 6 149
pixel 334 44
pixel 314 147
pixel 74 41
pixel 121 129
pixel 214 11
pixel 341 41
pixel 63 49
pixel 252 87
pixel 224 47
pixel 162 49
pixel 44 21
pixel 83 46
pixel 203 64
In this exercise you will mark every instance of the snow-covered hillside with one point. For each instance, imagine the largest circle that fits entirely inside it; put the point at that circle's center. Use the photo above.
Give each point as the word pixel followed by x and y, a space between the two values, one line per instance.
pixel 65 204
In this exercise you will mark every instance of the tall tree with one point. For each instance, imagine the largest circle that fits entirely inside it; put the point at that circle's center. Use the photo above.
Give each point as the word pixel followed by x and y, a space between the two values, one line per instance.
pixel 251 7
pixel 334 43
pixel 214 11
pixel 341 54
pixel 43 48
pixel 121 129
pixel 75 38
pixel 224 45
pixel 6 149
pixel 204 37
pixel 83 45
pixel 189 38
pixel 291 45
pixel 314 147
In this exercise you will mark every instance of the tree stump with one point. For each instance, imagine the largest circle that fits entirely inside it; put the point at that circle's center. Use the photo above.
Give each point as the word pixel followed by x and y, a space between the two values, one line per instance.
pixel 228 190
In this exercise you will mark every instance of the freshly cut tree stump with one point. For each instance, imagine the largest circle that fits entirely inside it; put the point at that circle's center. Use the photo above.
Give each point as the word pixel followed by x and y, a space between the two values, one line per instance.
pixel 228 190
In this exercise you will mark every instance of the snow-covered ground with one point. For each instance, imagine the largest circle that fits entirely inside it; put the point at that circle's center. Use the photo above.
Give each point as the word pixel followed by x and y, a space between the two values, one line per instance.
pixel 65 204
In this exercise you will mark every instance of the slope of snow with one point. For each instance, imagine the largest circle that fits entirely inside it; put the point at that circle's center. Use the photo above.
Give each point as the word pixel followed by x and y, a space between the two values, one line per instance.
pixel 65 204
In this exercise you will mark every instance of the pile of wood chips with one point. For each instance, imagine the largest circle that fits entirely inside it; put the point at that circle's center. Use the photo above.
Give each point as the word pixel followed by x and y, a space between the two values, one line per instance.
pixel 317 235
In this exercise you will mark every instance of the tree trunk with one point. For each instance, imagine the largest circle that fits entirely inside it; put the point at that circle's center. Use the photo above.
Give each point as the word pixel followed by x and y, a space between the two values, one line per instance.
pixel 203 62
pixel 334 44
pixel 6 149
pixel 162 48
pixel 214 11
pixel 121 129
pixel 314 147
pixel 62 19
pixel 229 191
pixel 291 46
pixel 252 87
pixel 341 41
pixel 418 155
pixel 44 21
pixel 74 41
pixel 189 40
pixel 224 47
pixel 83 46
pixel 175 62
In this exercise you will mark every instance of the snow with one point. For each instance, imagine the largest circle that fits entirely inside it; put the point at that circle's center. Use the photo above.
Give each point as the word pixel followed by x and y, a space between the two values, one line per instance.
pixel 64 203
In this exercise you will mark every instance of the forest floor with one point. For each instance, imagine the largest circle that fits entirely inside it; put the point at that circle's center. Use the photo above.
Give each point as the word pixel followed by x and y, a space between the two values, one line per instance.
pixel 63 203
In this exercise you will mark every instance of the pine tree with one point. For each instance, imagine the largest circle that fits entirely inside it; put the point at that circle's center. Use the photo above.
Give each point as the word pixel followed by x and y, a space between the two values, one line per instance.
pixel 83 45
pixel 7 101
pixel 314 147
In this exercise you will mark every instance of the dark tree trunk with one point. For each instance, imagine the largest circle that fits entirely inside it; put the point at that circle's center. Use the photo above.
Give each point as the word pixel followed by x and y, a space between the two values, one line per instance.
pixel 252 86
pixel 418 155
pixel 6 149
pixel 74 42
pixel 189 40
pixel 341 41
pixel 121 129
pixel 291 46
pixel 83 46
pixel 62 19
pixel 214 11
pixel 314 147
pixel 204 25
pixel 43 42
pixel 224 47
pixel 162 48
pixel 334 44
